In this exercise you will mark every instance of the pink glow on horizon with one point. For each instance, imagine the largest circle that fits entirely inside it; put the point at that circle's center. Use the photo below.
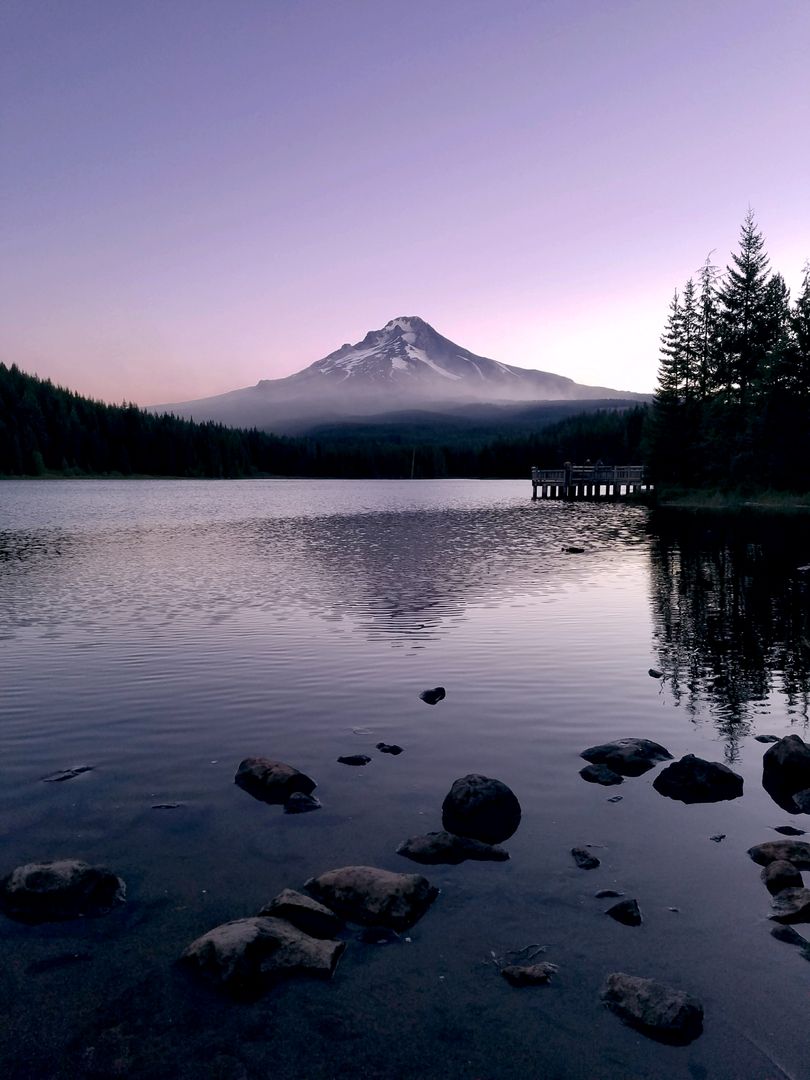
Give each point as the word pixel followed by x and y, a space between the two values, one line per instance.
pixel 198 196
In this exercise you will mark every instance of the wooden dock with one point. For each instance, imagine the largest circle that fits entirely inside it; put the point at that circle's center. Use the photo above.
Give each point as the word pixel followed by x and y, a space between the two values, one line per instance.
pixel 588 482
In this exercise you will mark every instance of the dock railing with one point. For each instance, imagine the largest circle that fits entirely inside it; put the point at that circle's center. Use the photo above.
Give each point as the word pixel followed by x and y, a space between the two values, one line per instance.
pixel 588 481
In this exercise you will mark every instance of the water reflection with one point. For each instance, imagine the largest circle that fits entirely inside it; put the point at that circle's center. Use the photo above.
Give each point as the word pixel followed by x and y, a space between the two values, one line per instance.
pixel 731 613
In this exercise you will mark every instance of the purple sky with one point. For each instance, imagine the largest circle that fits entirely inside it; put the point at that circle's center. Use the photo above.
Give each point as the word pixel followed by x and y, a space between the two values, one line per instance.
pixel 197 194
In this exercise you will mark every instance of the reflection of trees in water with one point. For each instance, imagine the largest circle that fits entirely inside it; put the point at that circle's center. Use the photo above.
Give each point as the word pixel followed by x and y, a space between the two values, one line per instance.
pixel 732 615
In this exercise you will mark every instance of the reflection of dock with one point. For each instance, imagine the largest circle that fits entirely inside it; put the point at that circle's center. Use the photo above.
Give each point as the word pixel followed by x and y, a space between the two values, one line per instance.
pixel 588 481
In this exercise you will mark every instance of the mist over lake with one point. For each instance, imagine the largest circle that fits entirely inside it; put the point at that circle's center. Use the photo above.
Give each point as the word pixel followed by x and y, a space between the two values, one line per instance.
pixel 162 631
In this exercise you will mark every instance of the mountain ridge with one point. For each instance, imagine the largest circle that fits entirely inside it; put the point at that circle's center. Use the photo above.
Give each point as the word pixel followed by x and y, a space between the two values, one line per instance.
pixel 405 364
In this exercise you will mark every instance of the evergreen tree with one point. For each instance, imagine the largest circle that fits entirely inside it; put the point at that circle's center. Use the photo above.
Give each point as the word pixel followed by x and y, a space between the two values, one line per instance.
pixel 743 321
pixel 690 341
pixel 708 376
pixel 670 371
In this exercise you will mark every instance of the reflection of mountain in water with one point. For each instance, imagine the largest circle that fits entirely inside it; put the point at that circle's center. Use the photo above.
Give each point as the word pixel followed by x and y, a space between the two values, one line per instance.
pixel 408 574
pixel 732 614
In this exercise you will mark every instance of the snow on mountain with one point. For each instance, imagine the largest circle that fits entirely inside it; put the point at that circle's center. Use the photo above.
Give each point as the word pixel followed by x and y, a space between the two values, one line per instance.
pixel 404 365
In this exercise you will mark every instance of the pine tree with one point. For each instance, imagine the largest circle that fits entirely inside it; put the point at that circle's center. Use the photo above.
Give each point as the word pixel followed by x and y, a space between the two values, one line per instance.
pixel 800 330
pixel 690 341
pixel 670 371
pixel 743 321
pixel 708 332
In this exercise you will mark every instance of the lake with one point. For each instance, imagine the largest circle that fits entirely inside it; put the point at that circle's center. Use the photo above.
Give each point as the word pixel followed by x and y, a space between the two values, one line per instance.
pixel 162 631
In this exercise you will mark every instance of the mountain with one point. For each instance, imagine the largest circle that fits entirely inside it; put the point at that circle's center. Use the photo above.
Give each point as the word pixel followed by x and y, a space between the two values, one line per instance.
pixel 405 365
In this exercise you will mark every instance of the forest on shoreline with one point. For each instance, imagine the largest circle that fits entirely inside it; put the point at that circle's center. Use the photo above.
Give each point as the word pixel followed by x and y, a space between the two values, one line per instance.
pixel 46 430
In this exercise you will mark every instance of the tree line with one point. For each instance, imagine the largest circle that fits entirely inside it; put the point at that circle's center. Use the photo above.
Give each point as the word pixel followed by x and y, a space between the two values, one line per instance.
pixel 48 430
pixel 732 407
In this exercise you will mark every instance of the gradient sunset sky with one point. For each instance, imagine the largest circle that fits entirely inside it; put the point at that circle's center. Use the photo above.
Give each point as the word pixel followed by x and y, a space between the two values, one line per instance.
pixel 197 194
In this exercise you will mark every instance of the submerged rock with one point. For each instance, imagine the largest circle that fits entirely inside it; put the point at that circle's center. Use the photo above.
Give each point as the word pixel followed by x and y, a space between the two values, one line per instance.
pixel 629 757
pixel 55 891
pixel 354 759
pixel 718 837
pixel 304 913
pixel 603 894
pixel 366 894
pixel 271 781
pixel 654 673
pixel 786 773
pixel 529 974
pixel 66 774
pixel 791 906
pixel 584 859
pixel 626 912
pixel 793 851
pixel 789 936
pixel 779 875
pixel 299 803
pixel 766 738
pixel 788 830
pixel 571 549
pixel 445 847
pixel 693 780
pixel 432 697
pixel 167 806
pixel 389 748
pixel 653 1008
pixel 246 956
pixel 482 808
pixel 601 774
pixel 616 798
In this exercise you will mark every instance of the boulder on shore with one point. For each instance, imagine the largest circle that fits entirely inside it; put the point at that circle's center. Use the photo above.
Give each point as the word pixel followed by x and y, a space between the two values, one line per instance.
pixel 779 875
pixel 792 851
pixel 601 774
pixel 304 913
pixel 791 906
pixel 271 781
pixel 786 773
pixel 368 895
pixel 653 1008
pixel 482 808
pixel 445 847
pixel 55 891
pixel 628 757
pixel 246 956
pixel 693 780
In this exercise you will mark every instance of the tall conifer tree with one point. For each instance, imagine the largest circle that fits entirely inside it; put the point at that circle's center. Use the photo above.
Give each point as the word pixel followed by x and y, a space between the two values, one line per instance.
pixel 743 322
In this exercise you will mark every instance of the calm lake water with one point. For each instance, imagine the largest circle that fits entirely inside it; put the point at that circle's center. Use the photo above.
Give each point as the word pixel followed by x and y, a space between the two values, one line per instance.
pixel 161 631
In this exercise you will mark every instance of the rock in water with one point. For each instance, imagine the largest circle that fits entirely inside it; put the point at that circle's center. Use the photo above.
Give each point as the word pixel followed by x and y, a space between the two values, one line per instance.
pixel 366 894
pixel 654 673
pixel 55 891
pixel 629 757
pixel 603 894
pixel 271 781
pixel 246 956
pixel 786 773
pixel 788 830
pixel 529 974
pixel 766 738
pixel 389 748
pixel 432 697
pixel 789 936
pixel 584 859
pixel 482 808
pixel 792 851
pixel 626 912
pixel 354 759
pixel 651 1007
pixel 779 875
pixel 66 774
pixel 304 913
pixel 299 803
pixel 693 780
pixel 600 774
pixel 445 847
pixel 791 906
pixel 573 550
